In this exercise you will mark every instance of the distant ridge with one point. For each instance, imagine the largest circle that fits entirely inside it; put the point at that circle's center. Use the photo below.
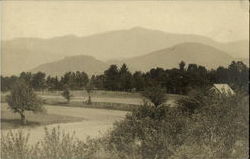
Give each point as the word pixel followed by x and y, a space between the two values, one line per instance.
pixel 23 54
pixel 167 58
pixel 84 63
pixel 195 53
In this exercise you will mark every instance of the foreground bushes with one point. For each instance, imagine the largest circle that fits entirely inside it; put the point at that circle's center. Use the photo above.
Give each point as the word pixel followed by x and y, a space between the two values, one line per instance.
pixel 55 145
pixel 215 128
pixel 209 127
pixel 155 133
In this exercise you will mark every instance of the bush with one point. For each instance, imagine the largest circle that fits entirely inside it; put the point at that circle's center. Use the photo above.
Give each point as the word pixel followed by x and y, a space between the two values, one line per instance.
pixel 156 95
pixel 148 132
pixel 218 129
pixel 14 145
pixel 189 104
pixel 56 144
pixel 66 94
pixel 196 99
pixel 221 124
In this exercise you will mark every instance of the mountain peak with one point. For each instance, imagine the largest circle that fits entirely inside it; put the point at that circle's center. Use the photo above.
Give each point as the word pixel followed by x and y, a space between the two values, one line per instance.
pixel 139 28
pixel 85 63
pixel 79 57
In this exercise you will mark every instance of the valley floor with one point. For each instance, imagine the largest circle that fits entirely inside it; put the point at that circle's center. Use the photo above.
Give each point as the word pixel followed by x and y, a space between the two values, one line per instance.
pixel 93 123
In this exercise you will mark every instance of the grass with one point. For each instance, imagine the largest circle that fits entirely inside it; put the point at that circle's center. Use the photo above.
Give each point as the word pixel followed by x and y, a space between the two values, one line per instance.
pixel 124 101
pixel 101 100
pixel 98 105
pixel 114 103
pixel 10 120
pixel 95 93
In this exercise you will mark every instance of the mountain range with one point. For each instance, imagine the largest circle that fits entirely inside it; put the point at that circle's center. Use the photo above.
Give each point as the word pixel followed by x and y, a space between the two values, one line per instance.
pixel 140 48
pixel 195 53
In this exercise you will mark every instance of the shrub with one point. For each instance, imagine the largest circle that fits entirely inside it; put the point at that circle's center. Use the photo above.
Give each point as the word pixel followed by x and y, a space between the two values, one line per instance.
pixel 196 99
pixel 89 88
pixel 156 95
pixel 220 124
pixel 56 144
pixel 14 145
pixel 148 132
pixel 217 129
pixel 66 94
pixel 189 104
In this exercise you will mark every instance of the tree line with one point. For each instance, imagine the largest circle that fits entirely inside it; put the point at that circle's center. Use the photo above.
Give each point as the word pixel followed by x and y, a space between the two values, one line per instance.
pixel 177 80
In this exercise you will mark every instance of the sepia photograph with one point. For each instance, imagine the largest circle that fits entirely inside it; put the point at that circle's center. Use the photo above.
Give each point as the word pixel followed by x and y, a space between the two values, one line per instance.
pixel 106 79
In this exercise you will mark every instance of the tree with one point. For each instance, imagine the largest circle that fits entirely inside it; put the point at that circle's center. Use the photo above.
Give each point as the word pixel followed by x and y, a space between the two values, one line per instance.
pixel 182 65
pixel 138 81
pixel 89 89
pixel 22 98
pixel 97 81
pixel 81 80
pixel 66 93
pixel 53 83
pixel 111 78
pixel 156 95
pixel 75 80
pixel 7 82
pixel 239 75
pixel 39 81
pixel 192 68
pixel 125 78
pixel 27 77
pixel 69 80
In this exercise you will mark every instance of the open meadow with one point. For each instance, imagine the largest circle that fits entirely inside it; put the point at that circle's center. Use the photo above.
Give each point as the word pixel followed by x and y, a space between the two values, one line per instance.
pixel 83 122
pixel 76 116
pixel 115 100
pixel 10 120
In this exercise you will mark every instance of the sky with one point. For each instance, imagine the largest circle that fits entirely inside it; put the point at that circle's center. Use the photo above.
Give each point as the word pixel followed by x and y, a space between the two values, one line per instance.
pixel 221 20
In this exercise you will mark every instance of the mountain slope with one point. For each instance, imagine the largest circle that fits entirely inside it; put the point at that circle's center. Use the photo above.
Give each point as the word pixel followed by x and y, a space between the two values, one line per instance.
pixel 166 58
pixel 237 49
pixel 189 52
pixel 87 64
pixel 23 54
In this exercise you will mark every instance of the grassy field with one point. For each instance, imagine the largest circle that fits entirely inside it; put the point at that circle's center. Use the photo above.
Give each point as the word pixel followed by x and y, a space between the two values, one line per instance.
pixel 124 101
pixel 109 100
pixel 10 120
pixel 82 122
pixel 95 93
pixel 98 105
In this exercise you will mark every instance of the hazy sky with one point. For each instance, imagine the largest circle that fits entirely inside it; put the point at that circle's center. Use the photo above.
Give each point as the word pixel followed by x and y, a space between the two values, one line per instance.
pixel 221 20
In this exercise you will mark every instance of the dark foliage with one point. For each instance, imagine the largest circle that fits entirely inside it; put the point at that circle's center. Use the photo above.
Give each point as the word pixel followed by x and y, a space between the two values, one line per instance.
pixel 218 128
pixel 176 81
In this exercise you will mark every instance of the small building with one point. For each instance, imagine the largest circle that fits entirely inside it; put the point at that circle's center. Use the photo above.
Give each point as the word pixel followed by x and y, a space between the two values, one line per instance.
pixel 221 89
